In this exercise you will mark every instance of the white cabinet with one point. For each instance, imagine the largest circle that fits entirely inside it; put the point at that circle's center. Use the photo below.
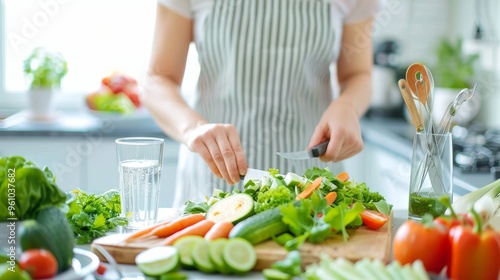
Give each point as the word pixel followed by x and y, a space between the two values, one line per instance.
pixel 86 163
pixel 64 156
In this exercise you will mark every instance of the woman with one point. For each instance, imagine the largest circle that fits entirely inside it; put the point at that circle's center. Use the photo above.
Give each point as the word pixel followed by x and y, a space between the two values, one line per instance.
pixel 265 84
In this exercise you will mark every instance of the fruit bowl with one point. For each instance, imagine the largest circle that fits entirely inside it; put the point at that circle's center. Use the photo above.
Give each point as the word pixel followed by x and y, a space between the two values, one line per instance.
pixel 138 114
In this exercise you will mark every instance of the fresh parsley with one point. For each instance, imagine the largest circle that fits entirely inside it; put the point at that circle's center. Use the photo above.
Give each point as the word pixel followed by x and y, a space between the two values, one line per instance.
pixel 313 220
pixel 92 215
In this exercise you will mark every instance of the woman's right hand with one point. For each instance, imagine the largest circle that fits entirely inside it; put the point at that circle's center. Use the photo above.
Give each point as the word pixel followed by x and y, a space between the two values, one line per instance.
pixel 220 147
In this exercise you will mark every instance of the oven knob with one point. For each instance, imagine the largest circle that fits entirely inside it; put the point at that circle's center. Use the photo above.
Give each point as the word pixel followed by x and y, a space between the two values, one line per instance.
pixel 463 159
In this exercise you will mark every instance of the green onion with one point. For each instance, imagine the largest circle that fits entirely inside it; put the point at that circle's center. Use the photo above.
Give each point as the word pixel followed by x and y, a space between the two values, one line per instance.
pixel 485 201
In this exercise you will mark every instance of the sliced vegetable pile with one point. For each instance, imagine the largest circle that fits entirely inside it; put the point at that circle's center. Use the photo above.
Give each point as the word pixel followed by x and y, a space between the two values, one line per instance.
pixel 218 235
pixel 294 209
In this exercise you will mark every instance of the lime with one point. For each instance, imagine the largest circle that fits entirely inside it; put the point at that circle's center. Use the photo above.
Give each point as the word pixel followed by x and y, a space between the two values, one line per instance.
pixel 239 255
pixel 215 249
pixel 185 247
pixel 173 276
pixel 201 257
pixel 158 260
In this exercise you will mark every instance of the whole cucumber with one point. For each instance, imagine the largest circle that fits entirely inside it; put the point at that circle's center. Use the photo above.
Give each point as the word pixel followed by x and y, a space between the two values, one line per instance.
pixel 260 227
pixel 59 229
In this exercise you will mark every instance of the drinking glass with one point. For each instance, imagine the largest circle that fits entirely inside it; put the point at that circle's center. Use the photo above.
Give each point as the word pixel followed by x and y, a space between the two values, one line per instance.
pixel 139 169
pixel 431 174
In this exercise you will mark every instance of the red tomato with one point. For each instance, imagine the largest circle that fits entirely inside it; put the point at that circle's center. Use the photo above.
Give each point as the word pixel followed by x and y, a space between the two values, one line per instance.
pixel 373 219
pixel 428 243
pixel 101 269
pixel 39 263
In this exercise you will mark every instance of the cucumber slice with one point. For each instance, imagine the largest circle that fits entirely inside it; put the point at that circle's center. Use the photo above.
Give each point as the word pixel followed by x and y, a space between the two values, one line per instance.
pixel 158 260
pixel 215 249
pixel 201 257
pixel 239 255
pixel 185 247
pixel 232 209
pixel 274 274
pixel 293 179
pixel 173 276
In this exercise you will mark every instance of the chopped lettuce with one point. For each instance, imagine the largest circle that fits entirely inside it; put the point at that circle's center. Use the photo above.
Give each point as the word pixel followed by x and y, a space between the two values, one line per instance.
pixel 273 197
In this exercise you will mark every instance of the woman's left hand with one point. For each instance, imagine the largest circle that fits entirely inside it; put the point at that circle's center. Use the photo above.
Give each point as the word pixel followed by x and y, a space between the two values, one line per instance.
pixel 340 124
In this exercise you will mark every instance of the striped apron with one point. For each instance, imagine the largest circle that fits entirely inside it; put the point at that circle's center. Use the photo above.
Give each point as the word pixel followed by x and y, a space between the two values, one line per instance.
pixel 265 68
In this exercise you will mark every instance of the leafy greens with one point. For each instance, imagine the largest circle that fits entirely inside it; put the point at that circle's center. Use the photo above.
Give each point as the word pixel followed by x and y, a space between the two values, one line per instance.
pixel 26 188
pixel 91 215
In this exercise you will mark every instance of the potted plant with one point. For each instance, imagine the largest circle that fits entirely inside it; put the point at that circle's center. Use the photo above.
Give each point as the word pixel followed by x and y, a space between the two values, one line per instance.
pixel 45 70
pixel 454 71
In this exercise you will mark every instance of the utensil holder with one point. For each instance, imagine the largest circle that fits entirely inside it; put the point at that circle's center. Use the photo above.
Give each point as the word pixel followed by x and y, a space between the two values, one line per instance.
pixel 431 174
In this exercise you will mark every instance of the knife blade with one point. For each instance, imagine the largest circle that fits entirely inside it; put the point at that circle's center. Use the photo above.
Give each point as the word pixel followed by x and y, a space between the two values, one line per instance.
pixel 313 152
pixel 253 174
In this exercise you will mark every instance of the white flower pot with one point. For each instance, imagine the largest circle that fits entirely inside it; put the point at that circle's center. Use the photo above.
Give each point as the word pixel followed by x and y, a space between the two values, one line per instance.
pixel 41 102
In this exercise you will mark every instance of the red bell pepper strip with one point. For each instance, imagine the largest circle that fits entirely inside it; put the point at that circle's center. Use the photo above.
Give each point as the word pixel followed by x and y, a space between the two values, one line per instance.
pixel 475 253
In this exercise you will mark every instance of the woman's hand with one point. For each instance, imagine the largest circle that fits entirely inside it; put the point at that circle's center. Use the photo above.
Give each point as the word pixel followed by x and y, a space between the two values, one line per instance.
pixel 340 124
pixel 220 146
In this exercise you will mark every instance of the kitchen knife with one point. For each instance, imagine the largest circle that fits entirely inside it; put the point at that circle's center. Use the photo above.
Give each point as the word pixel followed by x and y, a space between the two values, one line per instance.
pixel 313 152
pixel 253 174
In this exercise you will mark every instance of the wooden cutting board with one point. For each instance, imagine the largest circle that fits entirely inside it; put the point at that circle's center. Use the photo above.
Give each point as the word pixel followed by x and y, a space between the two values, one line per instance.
pixel 363 243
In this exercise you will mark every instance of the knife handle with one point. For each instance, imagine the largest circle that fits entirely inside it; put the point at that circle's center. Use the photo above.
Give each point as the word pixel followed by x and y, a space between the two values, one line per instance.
pixel 319 149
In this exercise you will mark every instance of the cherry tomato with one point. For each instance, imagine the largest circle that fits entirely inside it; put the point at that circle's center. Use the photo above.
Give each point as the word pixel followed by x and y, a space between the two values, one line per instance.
pixel 39 263
pixel 427 242
pixel 101 269
pixel 373 219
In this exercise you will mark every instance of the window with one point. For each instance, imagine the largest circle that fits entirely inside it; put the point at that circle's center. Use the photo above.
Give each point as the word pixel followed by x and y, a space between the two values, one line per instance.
pixel 95 36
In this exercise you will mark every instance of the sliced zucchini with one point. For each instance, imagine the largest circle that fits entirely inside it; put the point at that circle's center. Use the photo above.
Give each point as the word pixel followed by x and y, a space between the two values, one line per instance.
pixel 232 209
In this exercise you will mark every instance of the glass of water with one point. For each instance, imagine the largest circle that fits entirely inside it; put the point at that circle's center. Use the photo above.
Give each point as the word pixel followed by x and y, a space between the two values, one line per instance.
pixel 139 168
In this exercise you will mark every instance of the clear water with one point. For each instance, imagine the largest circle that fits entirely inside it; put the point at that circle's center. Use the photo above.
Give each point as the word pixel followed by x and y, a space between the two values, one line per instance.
pixel 140 191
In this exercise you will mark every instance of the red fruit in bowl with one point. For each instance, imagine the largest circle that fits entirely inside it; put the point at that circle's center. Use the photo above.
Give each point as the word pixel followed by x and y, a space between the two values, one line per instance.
pixel 117 82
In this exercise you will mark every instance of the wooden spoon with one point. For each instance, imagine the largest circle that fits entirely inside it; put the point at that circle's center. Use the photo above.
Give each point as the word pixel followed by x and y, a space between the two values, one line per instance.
pixel 418 81
pixel 410 104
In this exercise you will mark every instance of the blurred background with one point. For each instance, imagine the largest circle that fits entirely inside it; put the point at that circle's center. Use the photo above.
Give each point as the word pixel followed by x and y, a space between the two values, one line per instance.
pixel 459 40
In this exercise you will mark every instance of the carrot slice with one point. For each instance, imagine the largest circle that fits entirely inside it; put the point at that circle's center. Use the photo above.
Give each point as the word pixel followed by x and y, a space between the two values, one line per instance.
pixel 144 231
pixel 310 189
pixel 330 197
pixel 219 230
pixel 175 226
pixel 200 229
pixel 343 177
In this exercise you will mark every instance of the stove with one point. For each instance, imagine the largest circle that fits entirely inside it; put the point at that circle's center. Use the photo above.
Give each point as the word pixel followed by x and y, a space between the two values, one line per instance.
pixel 477 150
